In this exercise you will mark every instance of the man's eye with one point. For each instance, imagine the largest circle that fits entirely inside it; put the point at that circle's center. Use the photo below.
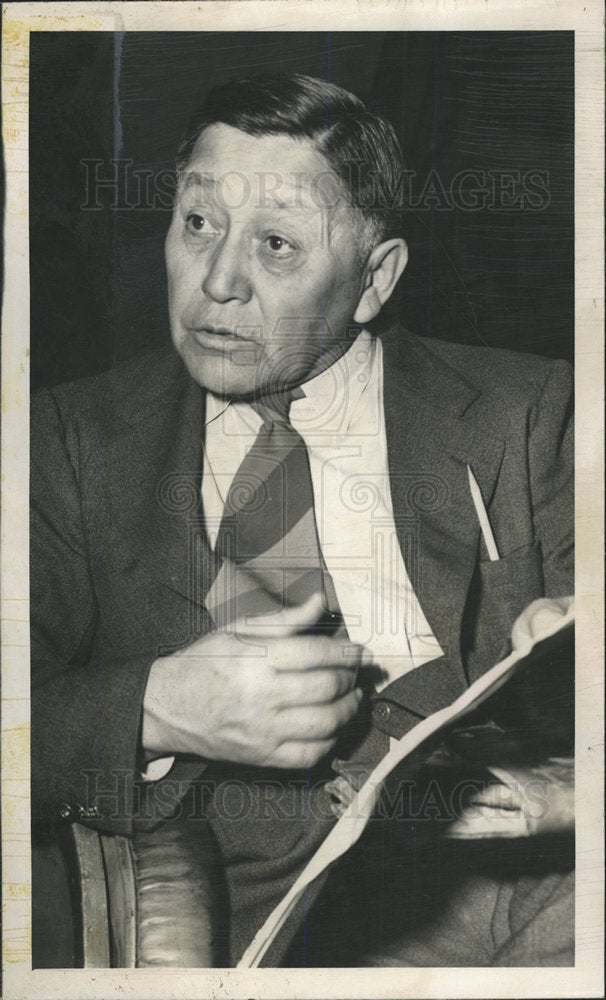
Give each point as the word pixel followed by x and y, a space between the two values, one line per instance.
pixel 197 223
pixel 279 245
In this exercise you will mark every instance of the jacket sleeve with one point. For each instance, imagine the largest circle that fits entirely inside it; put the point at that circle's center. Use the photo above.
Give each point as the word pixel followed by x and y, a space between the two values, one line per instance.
pixel 551 471
pixel 86 710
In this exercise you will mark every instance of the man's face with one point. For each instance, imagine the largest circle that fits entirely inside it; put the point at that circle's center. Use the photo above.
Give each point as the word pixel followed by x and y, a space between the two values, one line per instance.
pixel 261 260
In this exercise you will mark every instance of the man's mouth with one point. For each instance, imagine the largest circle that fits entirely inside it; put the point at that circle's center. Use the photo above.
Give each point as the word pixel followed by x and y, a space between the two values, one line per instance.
pixel 216 338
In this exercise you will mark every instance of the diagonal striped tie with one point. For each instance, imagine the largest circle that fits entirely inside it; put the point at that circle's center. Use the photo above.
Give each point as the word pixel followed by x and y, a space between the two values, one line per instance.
pixel 267 538
pixel 271 558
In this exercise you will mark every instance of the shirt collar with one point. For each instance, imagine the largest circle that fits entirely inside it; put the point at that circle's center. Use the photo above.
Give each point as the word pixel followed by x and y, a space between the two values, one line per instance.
pixel 331 398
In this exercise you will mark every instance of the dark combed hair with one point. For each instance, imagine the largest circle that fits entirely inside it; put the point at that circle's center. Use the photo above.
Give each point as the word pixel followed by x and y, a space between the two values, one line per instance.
pixel 360 147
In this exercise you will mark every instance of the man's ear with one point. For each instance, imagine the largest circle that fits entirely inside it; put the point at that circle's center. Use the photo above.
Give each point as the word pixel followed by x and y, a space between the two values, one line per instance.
pixel 381 272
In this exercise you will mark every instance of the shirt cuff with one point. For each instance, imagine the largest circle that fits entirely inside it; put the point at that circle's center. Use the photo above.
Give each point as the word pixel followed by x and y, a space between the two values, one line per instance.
pixel 157 769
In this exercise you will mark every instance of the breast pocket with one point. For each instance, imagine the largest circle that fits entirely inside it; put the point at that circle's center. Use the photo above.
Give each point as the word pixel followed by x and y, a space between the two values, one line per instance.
pixel 499 592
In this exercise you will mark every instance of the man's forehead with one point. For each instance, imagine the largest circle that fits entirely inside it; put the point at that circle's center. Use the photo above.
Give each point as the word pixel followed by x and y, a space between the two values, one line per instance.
pixel 277 170
pixel 280 190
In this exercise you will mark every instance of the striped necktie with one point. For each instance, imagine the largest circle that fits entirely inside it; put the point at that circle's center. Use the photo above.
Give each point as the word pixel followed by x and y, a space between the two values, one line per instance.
pixel 267 540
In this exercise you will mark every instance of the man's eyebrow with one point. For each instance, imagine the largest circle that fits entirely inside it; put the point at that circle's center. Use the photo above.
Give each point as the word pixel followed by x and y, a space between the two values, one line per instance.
pixel 195 179
pixel 275 202
pixel 300 202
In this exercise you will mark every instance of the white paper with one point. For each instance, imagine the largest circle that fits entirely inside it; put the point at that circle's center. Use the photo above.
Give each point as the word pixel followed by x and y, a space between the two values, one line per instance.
pixel 353 821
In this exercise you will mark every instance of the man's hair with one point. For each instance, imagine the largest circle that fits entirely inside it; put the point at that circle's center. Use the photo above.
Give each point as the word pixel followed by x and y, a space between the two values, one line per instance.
pixel 360 147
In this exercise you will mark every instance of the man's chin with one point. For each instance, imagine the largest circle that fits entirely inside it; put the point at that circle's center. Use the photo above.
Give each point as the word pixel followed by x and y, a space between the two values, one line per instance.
pixel 224 373
pixel 229 375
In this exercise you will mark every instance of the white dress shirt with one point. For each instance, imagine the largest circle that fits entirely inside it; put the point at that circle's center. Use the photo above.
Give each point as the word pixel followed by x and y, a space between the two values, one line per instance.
pixel 342 423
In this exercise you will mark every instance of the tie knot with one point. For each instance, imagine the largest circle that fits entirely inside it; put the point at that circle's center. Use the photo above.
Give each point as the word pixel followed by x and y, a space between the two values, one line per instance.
pixel 274 407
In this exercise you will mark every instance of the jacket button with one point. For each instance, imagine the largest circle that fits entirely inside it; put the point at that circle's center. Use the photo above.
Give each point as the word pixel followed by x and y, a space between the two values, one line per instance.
pixel 381 711
pixel 66 811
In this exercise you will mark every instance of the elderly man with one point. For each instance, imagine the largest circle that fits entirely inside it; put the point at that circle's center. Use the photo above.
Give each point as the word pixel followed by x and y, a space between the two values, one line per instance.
pixel 257 558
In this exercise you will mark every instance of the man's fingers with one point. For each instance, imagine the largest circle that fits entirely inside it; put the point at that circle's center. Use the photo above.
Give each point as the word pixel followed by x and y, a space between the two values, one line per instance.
pixel 315 652
pixel 315 687
pixel 288 621
pixel 496 796
pixel 538 617
pixel 319 722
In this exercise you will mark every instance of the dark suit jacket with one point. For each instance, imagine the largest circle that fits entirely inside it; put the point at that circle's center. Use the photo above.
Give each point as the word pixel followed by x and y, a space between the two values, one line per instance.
pixel 120 563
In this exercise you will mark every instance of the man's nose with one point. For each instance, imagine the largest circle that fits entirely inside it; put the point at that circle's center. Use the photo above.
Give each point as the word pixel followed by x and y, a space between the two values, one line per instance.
pixel 227 275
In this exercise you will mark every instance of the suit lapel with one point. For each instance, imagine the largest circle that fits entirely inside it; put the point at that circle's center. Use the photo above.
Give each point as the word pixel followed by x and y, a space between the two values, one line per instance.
pixel 434 430
pixel 156 477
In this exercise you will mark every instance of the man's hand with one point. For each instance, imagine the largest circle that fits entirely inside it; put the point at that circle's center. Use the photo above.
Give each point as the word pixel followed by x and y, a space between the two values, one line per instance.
pixel 538 616
pixel 266 693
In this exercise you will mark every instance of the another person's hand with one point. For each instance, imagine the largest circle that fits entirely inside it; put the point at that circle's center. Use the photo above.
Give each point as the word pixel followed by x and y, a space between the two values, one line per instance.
pixel 268 693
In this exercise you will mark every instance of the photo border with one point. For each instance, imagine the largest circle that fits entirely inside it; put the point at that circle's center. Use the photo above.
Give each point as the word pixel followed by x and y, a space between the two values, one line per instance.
pixel 19 19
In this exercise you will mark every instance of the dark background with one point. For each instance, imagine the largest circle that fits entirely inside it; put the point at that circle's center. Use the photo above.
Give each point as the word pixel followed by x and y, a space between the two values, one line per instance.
pixel 500 274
